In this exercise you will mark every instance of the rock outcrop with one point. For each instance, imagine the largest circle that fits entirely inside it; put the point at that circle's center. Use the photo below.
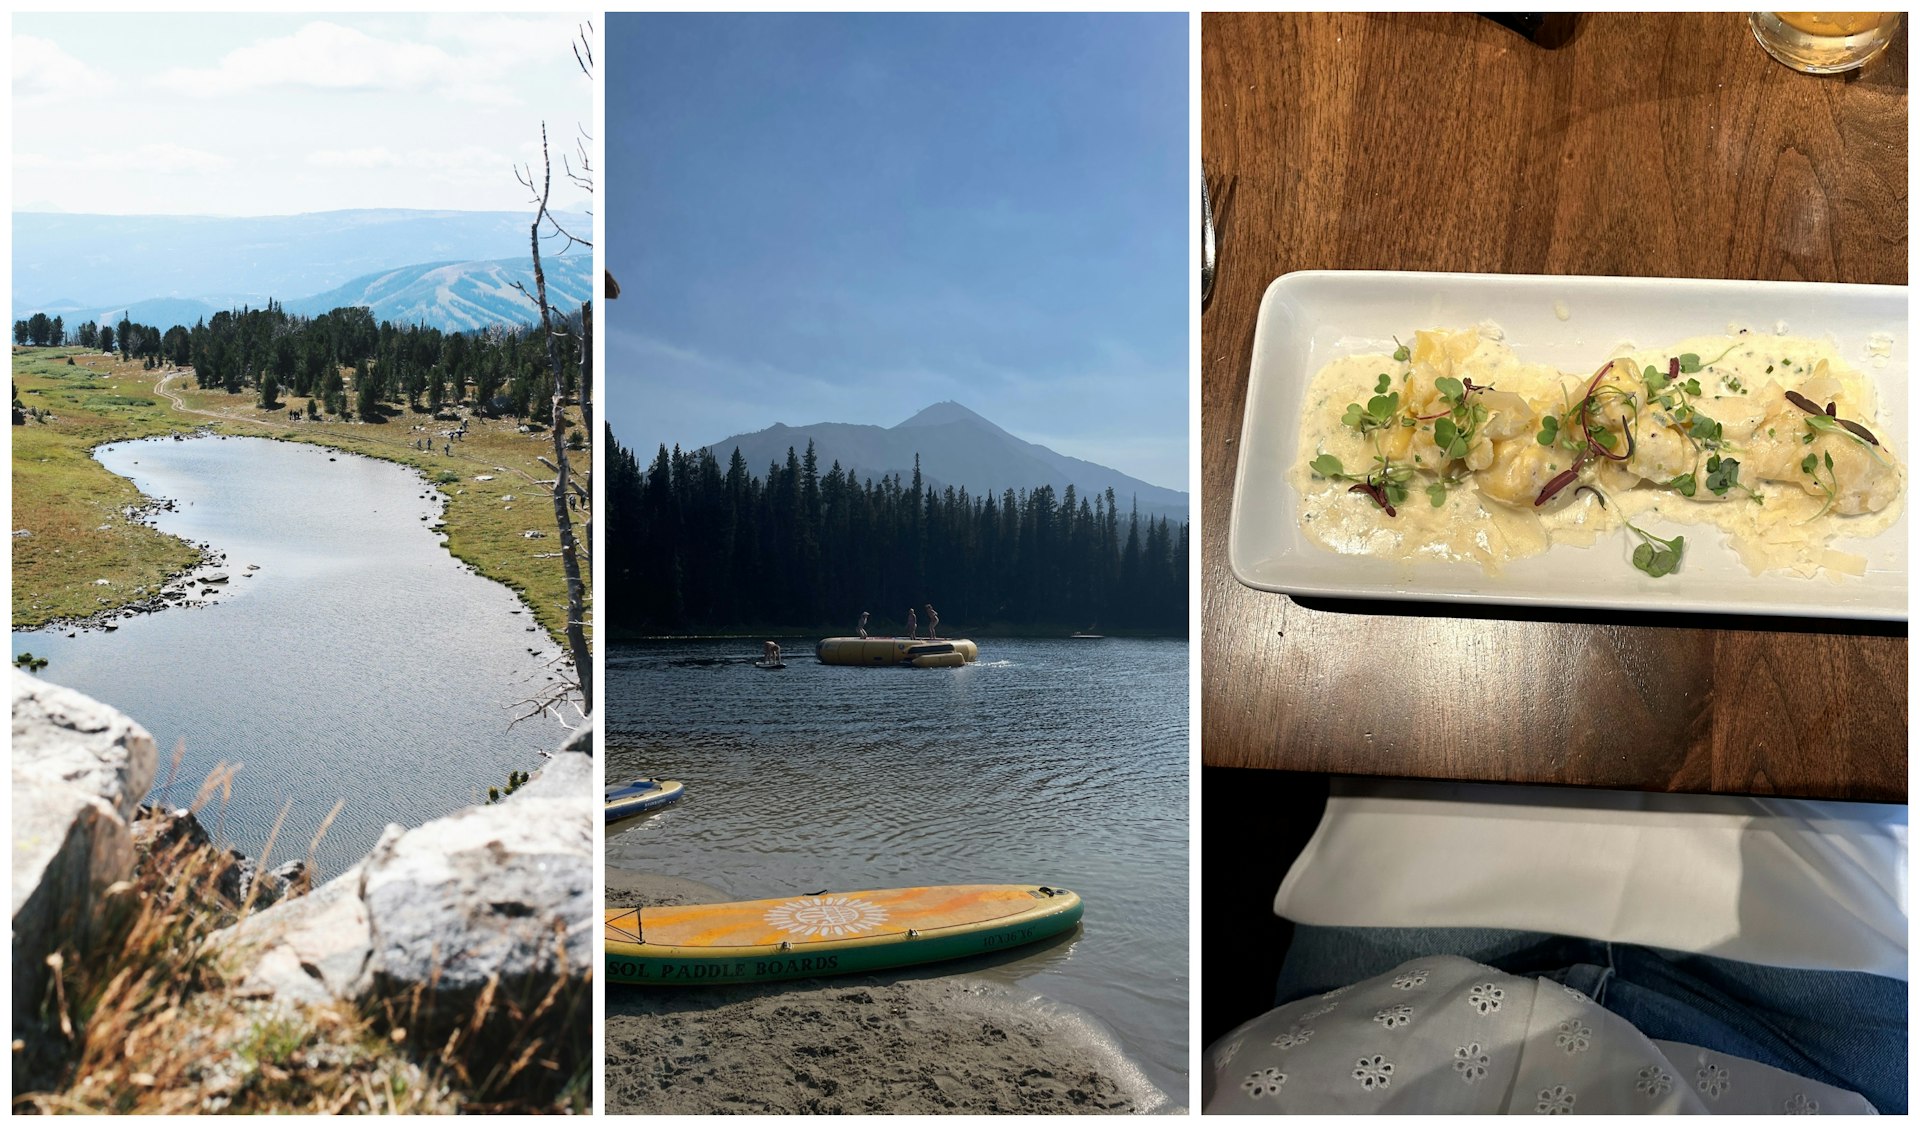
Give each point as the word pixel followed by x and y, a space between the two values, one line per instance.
pixel 79 771
pixel 493 897
pixel 237 877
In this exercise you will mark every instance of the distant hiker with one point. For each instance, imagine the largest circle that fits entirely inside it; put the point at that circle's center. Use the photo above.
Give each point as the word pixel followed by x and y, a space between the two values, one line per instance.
pixel 449 449
pixel 863 624
pixel 913 627
pixel 933 623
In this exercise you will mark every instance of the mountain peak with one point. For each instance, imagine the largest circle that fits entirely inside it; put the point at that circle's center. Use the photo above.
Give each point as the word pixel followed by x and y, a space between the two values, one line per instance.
pixel 955 448
pixel 944 412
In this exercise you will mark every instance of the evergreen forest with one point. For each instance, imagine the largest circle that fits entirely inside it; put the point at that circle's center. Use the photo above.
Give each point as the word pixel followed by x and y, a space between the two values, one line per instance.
pixel 694 548
pixel 275 356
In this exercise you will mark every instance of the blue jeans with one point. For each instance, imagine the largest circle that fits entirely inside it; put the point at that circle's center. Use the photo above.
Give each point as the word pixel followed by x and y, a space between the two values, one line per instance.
pixel 1844 1028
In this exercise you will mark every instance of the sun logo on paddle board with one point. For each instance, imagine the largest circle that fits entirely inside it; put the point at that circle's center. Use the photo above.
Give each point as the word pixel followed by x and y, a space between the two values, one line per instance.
pixel 827 916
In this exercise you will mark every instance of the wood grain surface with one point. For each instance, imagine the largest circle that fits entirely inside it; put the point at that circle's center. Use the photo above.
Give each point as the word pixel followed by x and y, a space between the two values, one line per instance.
pixel 1654 145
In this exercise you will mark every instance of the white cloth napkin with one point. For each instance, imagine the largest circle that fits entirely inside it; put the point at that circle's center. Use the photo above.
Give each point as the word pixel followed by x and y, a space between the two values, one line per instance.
pixel 1778 882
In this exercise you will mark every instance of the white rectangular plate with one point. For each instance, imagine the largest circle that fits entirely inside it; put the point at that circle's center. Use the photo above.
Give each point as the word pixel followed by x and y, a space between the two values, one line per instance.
pixel 1311 317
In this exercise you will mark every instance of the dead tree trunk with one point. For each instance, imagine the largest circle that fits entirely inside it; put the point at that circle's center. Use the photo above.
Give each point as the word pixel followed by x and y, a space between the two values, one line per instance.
pixel 570 552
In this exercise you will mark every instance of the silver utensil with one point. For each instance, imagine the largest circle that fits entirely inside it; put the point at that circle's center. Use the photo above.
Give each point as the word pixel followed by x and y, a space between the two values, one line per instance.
pixel 1206 243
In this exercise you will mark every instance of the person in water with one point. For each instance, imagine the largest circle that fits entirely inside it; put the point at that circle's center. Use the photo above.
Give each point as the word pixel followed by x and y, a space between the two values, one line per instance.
pixel 913 626
pixel 863 624
pixel 933 624
pixel 770 653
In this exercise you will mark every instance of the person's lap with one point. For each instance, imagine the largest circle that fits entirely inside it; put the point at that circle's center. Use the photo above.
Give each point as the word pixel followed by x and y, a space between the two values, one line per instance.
pixel 1840 1027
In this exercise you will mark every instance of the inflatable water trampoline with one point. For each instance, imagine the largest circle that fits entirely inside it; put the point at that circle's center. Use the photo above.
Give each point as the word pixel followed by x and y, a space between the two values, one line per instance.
pixel 945 653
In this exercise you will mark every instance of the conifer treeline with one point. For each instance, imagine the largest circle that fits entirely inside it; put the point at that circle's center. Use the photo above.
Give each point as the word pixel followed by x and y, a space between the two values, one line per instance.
pixel 693 547
pixel 270 353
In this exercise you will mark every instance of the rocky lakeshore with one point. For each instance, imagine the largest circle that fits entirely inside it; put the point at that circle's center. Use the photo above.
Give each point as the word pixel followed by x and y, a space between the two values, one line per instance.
pixel 198 585
pixel 912 1041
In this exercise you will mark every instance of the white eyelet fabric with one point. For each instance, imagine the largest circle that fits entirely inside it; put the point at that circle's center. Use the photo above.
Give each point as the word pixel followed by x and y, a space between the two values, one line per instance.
pixel 1449 1035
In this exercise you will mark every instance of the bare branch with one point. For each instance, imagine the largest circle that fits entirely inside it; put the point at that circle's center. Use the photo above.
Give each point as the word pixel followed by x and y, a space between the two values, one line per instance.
pixel 584 44
pixel 574 485
pixel 556 699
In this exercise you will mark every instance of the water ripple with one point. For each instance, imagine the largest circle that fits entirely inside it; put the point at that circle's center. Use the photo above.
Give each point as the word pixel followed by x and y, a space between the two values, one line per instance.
pixel 1052 761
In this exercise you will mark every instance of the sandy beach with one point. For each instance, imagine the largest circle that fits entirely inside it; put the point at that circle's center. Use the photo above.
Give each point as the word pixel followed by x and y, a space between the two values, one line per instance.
pixel 915 1040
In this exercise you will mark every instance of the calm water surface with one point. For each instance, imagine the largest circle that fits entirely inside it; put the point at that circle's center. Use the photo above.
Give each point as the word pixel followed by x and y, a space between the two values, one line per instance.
pixel 361 662
pixel 1056 762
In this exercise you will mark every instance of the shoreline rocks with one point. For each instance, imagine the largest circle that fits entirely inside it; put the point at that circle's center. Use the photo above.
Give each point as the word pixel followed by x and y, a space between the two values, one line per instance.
pixel 490 901
pixel 79 769
pixel 483 913
pixel 238 876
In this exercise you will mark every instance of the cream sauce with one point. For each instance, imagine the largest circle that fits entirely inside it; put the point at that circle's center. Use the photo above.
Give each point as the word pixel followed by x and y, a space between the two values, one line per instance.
pixel 1776 518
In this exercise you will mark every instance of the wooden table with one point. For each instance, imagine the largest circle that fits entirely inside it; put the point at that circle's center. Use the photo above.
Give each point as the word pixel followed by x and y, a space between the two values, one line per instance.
pixel 1643 145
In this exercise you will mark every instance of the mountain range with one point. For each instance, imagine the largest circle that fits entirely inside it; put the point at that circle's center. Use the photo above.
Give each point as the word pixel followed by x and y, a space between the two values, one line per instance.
pixel 957 448
pixel 451 296
pixel 172 269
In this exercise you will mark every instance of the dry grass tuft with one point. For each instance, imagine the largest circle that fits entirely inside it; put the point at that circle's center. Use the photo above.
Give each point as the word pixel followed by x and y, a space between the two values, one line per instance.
pixel 151 1023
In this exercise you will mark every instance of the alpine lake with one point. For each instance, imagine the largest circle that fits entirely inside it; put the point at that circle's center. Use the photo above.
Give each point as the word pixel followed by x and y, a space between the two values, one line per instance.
pixel 346 658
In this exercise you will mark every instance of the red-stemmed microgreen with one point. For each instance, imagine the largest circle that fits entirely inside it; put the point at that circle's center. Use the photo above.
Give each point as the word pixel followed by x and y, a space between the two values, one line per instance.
pixel 1386 485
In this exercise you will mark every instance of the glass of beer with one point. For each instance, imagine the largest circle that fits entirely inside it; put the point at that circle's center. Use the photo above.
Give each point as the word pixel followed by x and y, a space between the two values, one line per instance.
pixel 1824 42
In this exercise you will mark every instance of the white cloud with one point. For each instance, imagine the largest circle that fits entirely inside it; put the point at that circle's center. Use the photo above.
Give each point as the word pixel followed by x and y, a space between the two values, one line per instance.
pixel 506 39
pixel 44 74
pixel 328 56
pixel 151 158
pixel 421 160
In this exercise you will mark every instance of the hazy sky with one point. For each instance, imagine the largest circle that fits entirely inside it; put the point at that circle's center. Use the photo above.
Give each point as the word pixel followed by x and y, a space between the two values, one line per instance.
pixel 848 218
pixel 237 114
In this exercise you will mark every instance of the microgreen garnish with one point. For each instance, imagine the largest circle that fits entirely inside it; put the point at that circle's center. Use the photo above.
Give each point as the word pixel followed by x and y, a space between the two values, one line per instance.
pixel 1810 465
pixel 1701 429
pixel 1387 485
pixel 1402 353
pixel 1560 481
pixel 1378 413
pixel 1450 439
pixel 1829 421
pixel 1655 556
pixel 1437 493
pixel 1549 431
pixel 1722 356
pixel 1722 474
pixel 1385 383
pixel 1684 484
pixel 1805 404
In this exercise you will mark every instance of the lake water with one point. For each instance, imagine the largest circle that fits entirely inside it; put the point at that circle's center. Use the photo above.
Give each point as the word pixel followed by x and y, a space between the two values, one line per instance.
pixel 1049 761
pixel 360 662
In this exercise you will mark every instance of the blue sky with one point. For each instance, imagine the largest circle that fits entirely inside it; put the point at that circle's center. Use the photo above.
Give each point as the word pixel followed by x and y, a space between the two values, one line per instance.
pixel 241 114
pixel 849 218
